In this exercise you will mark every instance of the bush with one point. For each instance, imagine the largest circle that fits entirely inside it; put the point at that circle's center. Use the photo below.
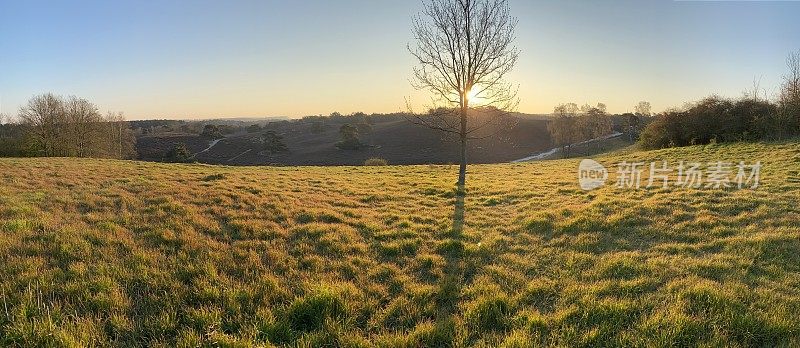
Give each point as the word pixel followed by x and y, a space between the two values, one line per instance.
pixel 179 154
pixel 376 162
pixel 211 131
pixel 273 142
pixel 349 135
pixel 664 131
pixel 713 120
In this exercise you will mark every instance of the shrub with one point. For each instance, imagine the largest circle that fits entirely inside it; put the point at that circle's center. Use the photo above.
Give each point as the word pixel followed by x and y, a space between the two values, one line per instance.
pixel 273 142
pixel 375 161
pixel 179 154
pixel 349 135
pixel 211 131
pixel 713 120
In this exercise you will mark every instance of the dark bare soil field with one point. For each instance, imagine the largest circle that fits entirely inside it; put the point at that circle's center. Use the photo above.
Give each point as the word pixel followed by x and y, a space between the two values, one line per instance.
pixel 398 141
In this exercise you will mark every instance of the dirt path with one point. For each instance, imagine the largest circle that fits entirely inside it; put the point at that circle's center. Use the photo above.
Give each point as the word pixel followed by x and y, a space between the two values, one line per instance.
pixel 210 145
pixel 554 151
pixel 239 155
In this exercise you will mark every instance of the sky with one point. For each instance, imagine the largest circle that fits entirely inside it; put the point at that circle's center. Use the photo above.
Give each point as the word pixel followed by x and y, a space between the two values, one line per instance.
pixel 207 59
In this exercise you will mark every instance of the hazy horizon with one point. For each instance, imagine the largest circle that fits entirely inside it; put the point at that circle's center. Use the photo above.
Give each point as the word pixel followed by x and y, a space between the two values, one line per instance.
pixel 246 59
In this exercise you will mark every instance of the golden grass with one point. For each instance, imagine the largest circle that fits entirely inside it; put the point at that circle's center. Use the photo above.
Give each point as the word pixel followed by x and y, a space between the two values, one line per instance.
pixel 104 252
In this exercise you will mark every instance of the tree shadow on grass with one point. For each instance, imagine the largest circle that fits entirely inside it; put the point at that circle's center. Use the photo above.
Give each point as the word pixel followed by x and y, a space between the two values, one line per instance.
pixel 452 249
pixel 458 214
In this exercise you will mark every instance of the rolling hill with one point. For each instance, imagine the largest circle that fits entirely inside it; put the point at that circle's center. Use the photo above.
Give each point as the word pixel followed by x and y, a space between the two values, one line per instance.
pixel 104 252
pixel 395 139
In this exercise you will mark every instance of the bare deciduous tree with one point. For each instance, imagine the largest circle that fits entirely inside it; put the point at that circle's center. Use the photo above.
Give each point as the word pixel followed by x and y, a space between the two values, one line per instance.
pixel 563 127
pixel 642 109
pixel 791 81
pixel 80 127
pixel 788 117
pixel 464 50
pixel 123 142
pixel 72 126
pixel 42 115
pixel 593 123
pixel 755 93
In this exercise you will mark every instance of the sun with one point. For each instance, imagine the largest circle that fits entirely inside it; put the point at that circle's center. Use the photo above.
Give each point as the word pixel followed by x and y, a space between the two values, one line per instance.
pixel 473 96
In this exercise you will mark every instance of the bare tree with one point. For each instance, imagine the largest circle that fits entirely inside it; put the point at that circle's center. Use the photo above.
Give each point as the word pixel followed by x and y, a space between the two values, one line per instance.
pixel 82 127
pixel 600 124
pixel 642 109
pixel 563 127
pixel 755 93
pixel 592 124
pixel 464 50
pixel 791 81
pixel 43 115
pixel 72 126
pixel 788 117
pixel 559 128
pixel 122 141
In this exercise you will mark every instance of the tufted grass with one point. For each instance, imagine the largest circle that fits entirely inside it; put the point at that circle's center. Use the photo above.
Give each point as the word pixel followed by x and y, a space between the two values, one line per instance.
pixel 115 253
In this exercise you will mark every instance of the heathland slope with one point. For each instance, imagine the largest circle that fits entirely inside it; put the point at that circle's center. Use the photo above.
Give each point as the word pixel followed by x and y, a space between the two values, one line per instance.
pixel 397 140
pixel 102 252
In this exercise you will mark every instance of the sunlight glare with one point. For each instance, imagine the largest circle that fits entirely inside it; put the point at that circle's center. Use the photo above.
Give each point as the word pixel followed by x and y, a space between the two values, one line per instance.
pixel 474 98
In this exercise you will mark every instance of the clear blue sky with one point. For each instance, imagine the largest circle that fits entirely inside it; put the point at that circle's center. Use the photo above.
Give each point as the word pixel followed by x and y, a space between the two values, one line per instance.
pixel 201 59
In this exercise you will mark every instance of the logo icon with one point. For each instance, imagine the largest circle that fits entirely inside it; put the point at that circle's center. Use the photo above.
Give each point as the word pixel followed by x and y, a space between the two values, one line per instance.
pixel 591 175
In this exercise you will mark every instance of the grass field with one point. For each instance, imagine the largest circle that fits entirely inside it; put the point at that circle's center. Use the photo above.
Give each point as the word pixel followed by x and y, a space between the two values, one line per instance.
pixel 101 252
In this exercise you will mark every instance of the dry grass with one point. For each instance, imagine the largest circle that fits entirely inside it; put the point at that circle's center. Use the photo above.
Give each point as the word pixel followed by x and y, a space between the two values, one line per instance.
pixel 102 252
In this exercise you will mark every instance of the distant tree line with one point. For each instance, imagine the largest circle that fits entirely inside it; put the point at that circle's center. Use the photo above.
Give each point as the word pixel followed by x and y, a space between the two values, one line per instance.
pixel 203 128
pixel 716 119
pixel 56 126
pixel 573 125
pixel 352 128
pixel 11 142
pixel 145 127
pixel 354 118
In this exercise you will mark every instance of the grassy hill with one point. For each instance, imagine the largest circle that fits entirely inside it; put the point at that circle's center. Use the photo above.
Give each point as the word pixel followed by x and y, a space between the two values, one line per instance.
pixel 101 252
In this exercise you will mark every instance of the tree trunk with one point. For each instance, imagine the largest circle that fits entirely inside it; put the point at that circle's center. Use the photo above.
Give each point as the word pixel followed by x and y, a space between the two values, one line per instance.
pixel 462 169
